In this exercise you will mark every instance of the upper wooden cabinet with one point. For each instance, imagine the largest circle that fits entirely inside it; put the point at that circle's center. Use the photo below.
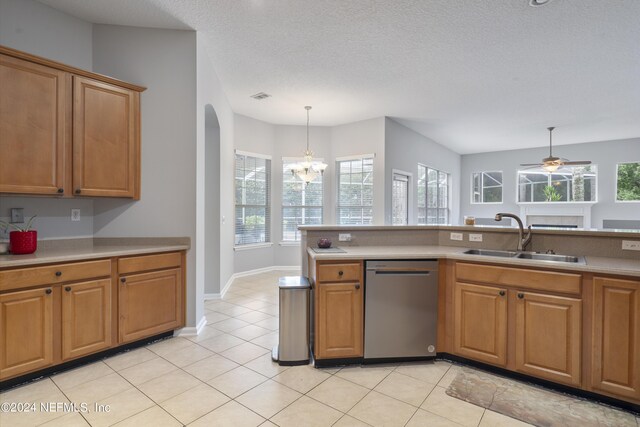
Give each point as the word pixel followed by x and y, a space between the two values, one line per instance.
pixel 66 131
pixel 616 337
pixel 32 127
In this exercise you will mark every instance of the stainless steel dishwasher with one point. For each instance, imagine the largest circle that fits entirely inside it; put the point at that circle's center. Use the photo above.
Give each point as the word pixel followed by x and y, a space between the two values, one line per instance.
pixel 401 309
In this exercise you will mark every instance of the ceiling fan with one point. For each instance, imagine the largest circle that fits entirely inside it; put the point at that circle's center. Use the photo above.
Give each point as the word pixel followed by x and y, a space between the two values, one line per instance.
pixel 552 163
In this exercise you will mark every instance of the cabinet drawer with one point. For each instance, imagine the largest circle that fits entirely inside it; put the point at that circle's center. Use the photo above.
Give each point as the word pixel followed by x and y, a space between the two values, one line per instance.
pixel 149 262
pixel 518 277
pixel 52 274
pixel 339 272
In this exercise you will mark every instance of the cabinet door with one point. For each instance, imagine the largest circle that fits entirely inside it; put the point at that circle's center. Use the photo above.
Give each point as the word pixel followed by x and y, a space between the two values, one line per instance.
pixel 26 331
pixel 480 323
pixel 32 127
pixel 105 139
pixel 150 303
pixel 548 337
pixel 616 336
pixel 339 317
pixel 86 318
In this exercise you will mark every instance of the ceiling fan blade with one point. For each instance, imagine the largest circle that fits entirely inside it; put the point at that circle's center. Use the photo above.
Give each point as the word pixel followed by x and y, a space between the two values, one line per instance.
pixel 577 162
pixel 531 164
pixel 527 167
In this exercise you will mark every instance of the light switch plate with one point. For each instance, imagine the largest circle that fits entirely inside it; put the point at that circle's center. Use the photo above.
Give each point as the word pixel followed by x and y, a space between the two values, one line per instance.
pixel 456 236
pixel 475 237
pixel 17 215
pixel 631 245
pixel 344 237
pixel 75 214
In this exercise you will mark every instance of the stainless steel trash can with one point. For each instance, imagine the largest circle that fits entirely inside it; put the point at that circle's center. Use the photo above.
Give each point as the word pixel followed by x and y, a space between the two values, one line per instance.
pixel 293 345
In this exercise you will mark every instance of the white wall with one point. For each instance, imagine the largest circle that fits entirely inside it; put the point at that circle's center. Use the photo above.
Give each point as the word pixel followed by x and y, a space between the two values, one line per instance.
pixel 404 149
pixel 38 29
pixel 41 30
pixel 212 201
pixel 605 155
pixel 165 62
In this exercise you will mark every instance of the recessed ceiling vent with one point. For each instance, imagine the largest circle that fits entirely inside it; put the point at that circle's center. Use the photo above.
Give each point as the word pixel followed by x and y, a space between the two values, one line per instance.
pixel 260 95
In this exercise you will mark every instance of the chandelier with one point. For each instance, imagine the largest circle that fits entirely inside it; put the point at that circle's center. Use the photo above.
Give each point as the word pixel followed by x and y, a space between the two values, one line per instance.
pixel 308 169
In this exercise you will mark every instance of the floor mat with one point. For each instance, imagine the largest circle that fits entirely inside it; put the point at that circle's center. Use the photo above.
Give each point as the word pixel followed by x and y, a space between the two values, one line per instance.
pixel 533 404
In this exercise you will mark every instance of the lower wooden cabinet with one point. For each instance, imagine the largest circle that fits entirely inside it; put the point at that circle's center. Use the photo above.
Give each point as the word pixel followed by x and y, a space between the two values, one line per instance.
pixel 548 336
pixel 86 318
pixel 26 331
pixel 150 303
pixel 616 337
pixel 339 320
pixel 480 323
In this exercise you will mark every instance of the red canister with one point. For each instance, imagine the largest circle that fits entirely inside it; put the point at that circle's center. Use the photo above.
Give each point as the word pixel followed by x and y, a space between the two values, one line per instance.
pixel 23 242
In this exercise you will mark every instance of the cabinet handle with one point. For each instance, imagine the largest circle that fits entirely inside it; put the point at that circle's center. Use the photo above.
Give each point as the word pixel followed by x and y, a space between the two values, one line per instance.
pixel 521 295
pixel 78 191
pixel 123 280
pixel 340 273
pixel 60 190
pixel 58 273
pixel 502 293
pixel 358 286
pixel 68 289
pixel 48 291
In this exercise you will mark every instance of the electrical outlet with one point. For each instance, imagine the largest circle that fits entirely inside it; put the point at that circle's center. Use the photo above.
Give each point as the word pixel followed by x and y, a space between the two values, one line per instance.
pixel 75 214
pixel 475 237
pixel 344 237
pixel 456 236
pixel 17 215
pixel 631 245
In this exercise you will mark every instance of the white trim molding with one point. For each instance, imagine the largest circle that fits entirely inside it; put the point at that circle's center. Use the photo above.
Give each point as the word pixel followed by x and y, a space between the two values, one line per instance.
pixel 191 331
pixel 250 154
pixel 252 246
pixel 356 157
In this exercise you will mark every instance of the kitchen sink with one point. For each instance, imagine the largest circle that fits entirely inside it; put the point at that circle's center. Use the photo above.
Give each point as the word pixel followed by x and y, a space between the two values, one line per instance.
pixel 551 257
pixel 488 252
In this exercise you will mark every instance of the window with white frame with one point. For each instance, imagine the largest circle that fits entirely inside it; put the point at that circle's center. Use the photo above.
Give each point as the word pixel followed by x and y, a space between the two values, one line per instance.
pixel 628 182
pixel 400 198
pixel 301 202
pixel 569 184
pixel 252 194
pixel 486 187
pixel 433 196
pixel 355 191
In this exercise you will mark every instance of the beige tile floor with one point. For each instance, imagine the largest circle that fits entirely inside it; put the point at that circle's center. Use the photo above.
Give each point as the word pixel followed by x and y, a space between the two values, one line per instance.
pixel 225 377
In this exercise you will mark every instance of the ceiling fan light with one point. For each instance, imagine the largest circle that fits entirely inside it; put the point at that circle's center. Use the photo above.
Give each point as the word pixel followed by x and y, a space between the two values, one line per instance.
pixel 551 167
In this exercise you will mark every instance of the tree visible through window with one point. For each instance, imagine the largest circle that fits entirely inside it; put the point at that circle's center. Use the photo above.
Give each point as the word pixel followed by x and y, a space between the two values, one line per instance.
pixel 569 184
pixel 628 182
pixel 252 188
pixel 301 203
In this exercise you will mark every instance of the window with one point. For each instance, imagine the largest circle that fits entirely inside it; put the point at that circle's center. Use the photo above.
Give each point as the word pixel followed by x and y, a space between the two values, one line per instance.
pixel 355 191
pixel 569 184
pixel 433 196
pixel 486 187
pixel 253 175
pixel 628 182
pixel 400 198
pixel 301 203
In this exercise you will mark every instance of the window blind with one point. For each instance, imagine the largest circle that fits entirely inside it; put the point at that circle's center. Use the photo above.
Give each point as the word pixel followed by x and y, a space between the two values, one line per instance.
pixel 355 191
pixel 301 203
pixel 433 196
pixel 252 194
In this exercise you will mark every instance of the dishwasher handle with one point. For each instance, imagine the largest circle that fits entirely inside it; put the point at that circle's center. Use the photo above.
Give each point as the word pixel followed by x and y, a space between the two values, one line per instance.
pixel 401 271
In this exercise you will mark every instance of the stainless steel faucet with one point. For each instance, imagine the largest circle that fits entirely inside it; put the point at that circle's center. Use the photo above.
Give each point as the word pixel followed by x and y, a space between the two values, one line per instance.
pixel 524 240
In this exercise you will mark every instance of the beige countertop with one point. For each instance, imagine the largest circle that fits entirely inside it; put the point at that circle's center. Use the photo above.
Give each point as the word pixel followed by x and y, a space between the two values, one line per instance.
pixel 84 249
pixel 625 267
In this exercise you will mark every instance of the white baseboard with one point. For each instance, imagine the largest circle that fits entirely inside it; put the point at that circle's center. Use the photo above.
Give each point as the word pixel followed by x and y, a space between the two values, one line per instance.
pixel 190 331
pixel 225 288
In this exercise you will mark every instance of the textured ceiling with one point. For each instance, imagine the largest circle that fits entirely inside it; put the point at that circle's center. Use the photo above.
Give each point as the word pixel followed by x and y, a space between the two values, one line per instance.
pixel 473 75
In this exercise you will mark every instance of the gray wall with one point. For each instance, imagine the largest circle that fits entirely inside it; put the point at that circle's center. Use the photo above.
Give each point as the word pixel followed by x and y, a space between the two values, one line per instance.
pixel 605 155
pixel 404 149
pixel 165 62
pixel 41 30
pixel 212 201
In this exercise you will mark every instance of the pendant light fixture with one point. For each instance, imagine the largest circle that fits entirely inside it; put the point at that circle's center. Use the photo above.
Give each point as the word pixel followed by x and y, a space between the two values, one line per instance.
pixel 308 169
